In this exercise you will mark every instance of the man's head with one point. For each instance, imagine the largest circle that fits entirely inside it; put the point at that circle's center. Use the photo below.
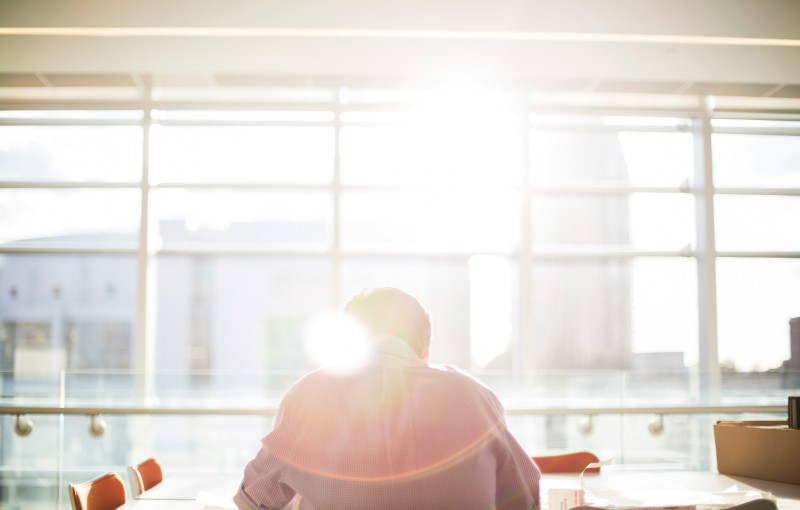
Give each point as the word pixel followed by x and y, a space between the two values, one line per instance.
pixel 389 311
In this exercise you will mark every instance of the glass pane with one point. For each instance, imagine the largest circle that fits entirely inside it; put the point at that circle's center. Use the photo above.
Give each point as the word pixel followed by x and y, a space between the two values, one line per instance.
pixel 768 387
pixel 29 476
pixel 103 387
pixel 191 445
pixel 755 300
pixel 446 222
pixel 573 388
pixel 683 443
pixel 430 155
pixel 649 383
pixel 614 314
pixel 756 160
pixel 231 219
pixel 638 220
pixel 658 158
pixel 263 154
pixel 757 222
pixel 89 217
pixel 66 311
pixel 664 315
pixel 622 158
pixel 373 155
pixel 71 153
pixel 228 314
pixel 549 435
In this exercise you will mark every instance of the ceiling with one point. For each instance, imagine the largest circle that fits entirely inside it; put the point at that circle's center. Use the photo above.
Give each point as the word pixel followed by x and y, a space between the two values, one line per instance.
pixel 748 48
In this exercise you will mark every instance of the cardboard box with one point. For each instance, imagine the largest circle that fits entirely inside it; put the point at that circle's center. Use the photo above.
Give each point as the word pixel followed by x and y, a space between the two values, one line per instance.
pixel 768 450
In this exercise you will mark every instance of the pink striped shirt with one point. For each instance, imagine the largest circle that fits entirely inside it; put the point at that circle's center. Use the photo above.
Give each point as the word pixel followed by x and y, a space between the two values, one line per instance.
pixel 400 434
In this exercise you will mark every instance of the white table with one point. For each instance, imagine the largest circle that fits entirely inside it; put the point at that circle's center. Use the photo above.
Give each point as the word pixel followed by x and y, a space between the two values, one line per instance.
pixel 179 492
pixel 620 486
pixel 164 504
pixel 182 486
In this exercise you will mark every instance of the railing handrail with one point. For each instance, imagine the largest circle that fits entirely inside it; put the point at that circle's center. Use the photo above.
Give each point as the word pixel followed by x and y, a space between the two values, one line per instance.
pixel 271 411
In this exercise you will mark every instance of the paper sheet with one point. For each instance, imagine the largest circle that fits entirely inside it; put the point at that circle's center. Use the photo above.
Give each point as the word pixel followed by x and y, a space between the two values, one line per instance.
pixel 209 500
pixel 663 499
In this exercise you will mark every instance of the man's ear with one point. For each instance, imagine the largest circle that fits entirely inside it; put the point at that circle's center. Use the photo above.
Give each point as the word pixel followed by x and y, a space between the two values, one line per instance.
pixel 426 353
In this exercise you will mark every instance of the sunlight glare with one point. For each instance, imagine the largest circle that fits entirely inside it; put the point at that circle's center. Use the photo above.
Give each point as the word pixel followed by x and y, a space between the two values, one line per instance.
pixel 462 134
pixel 490 308
pixel 337 343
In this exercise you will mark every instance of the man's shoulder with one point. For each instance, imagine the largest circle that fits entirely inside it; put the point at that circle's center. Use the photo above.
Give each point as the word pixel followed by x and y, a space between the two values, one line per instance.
pixel 447 378
pixel 308 381
pixel 464 391
pixel 461 378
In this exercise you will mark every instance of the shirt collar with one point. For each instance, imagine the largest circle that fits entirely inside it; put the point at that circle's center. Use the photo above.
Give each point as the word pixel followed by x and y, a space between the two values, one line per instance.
pixel 394 349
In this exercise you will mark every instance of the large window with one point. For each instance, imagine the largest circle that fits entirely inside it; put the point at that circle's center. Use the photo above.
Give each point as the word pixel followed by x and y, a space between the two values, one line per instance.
pixel 757 175
pixel 176 255
pixel 206 240
pixel 69 224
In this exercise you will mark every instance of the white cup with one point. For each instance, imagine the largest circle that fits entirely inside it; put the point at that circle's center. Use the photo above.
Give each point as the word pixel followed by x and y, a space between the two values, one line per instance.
pixel 564 499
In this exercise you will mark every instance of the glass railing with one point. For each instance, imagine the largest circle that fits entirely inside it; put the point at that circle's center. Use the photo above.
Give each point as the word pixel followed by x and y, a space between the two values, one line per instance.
pixel 87 422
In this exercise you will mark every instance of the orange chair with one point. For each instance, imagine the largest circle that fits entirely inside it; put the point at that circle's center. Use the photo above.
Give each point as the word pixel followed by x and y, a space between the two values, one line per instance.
pixel 574 462
pixel 106 492
pixel 144 476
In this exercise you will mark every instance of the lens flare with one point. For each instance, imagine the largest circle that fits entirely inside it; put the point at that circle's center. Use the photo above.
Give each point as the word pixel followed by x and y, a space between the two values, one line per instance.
pixel 338 344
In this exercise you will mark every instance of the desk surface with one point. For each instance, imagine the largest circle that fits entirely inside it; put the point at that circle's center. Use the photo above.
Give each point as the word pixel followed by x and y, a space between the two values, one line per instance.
pixel 180 486
pixel 179 492
pixel 620 486
pixel 164 504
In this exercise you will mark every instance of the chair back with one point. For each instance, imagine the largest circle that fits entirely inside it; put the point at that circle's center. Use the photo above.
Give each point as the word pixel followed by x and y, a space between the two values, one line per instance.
pixel 574 462
pixel 145 476
pixel 106 492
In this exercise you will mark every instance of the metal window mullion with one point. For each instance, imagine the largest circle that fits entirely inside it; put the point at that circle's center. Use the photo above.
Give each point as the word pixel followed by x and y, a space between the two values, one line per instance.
pixel 754 114
pixel 587 189
pixel 525 289
pixel 552 108
pixel 764 254
pixel 336 190
pixel 457 257
pixel 239 252
pixel 602 128
pixel 215 251
pixel 144 347
pixel 563 255
pixel 416 188
pixel 248 185
pixel 144 104
pixel 233 106
pixel 243 123
pixel 708 357
pixel 69 122
pixel 64 250
pixel 788 192
pixel 68 185
pixel 757 131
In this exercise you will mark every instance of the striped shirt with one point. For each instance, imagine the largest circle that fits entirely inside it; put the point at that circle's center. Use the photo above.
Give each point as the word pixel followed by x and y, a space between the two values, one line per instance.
pixel 399 434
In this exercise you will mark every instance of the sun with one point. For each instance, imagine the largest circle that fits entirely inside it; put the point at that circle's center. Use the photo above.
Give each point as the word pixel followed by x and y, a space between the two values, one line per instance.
pixel 338 344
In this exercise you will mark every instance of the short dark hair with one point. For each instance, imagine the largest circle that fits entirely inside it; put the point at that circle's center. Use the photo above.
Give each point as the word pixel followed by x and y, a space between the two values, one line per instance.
pixel 390 311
